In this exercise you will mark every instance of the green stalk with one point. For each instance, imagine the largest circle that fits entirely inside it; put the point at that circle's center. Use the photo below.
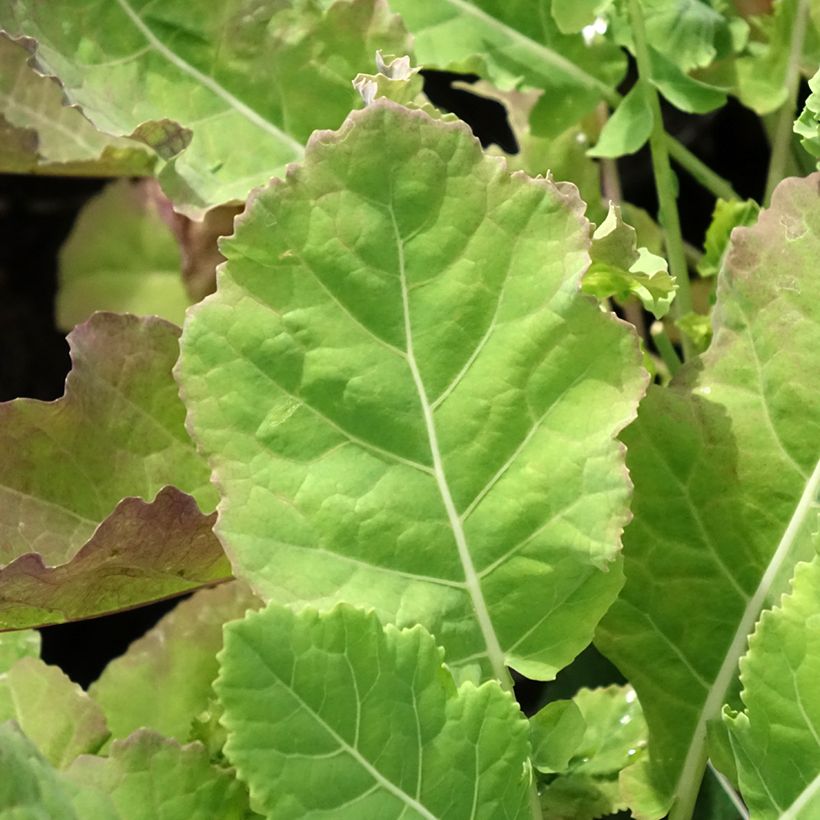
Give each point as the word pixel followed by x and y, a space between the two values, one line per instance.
pixel 699 170
pixel 664 181
pixel 664 347
pixel 785 117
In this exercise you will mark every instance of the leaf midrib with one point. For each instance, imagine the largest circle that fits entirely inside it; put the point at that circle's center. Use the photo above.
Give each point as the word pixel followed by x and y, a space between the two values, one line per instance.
pixel 495 653
pixel 694 760
pixel 210 83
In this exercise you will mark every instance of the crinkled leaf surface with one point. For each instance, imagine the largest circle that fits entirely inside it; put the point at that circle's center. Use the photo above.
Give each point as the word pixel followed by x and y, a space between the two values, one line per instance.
pixel 53 712
pixel 807 126
pixel 408 403
pixel 58 138
pixel 612 740
pixel 146 777
pixel 776 738
pixel 177 658
pixel 116 434
pixel 620 268
pixel 514 42
pixel 141 552
pixel 251 84
pixel 30 789
pixel 725 469
pixel 333 715
pixel 122 256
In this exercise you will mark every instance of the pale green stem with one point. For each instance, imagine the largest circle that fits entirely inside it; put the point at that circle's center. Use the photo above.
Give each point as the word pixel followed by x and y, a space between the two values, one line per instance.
pixel 785 117
pixel 664 181
pixel 714 183
pixel 664 347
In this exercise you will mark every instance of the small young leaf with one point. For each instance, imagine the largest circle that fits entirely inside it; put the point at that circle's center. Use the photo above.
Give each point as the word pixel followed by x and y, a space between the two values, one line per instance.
pixel 620 268
pixel 727 216
pixel 178 657
pixel 334 715
pixel 556 731
pixel 775 737
pixel 54 713
pixel 122 256
pixel 400 351
pixel 698 329
pixel 611 741
pixel 146 777
pixel 572 16
pixel 628 128
pixel 807 125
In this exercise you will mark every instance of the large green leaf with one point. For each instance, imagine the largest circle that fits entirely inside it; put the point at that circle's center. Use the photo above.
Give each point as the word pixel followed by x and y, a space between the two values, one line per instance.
pixel 331 715
pixel 251 83
pixel 30 789
pixel 54 713
pixel 122 256
pixel 176 657
pixel 55 138
pixel 146 777
pixel 514 42
pixel 807 126
pixel 115 438
pixel 406 400
pixel 725 465
pixel 776 739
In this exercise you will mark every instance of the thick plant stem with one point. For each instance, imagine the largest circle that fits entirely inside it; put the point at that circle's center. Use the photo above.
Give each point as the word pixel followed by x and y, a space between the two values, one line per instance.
pixel 785 118
pixel 664 180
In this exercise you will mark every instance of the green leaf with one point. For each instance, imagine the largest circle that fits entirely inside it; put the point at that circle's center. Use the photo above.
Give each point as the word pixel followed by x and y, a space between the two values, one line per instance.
pixel 30 789
pixel 563 157
pixel 54 713
pixel 698 329
pixel 627 129
pixel 141 552
pixel 421 405
pixel 807 125
pixel 725 469
pixel 692 33
pixel 775 737
pixel 761 72
pixel 251 86
pixel 726 217
pixel 176 657
pixel 53 138
pixel 572 16
pixel 118 433
pixel 684 92
pixel 621 269
pixel 372 715
pixel 122 256
pixel 614 735
pixel 556 731
pixel 15 646
pixel 514 44
pixel 147 776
